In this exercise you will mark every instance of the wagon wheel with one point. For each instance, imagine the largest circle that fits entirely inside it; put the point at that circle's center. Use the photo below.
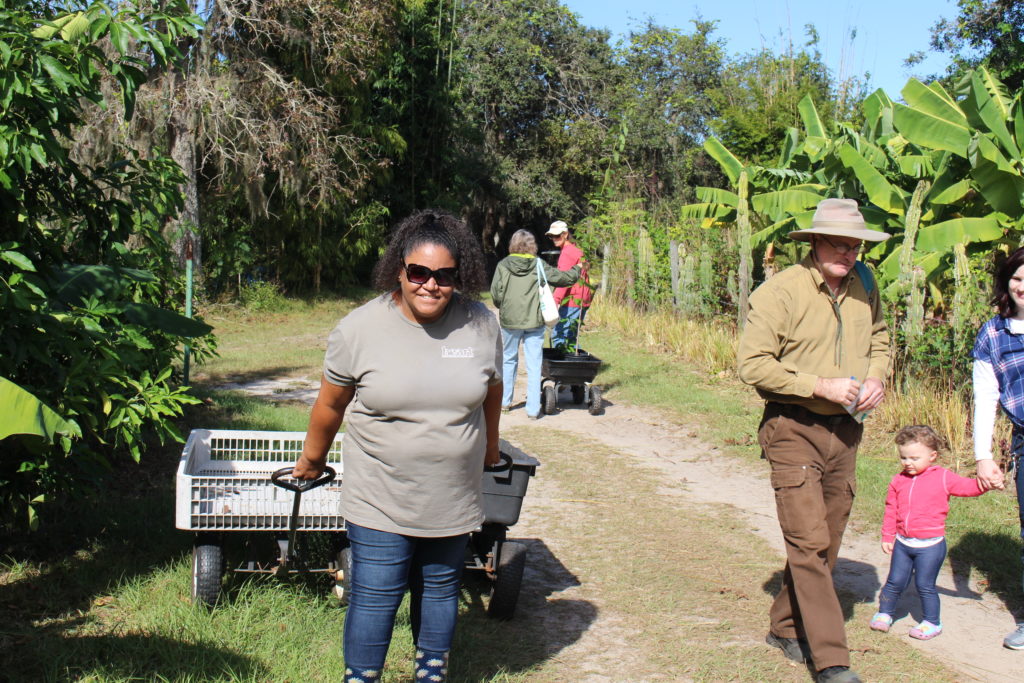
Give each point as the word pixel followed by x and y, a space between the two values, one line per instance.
pixel 596 402
pixel 550 400
pixel 578 393
pixel 507 581
pixel 207 570
pixel 343 582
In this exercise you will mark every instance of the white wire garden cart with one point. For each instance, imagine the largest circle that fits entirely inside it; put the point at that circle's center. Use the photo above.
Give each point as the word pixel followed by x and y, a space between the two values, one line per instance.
pixel 224 485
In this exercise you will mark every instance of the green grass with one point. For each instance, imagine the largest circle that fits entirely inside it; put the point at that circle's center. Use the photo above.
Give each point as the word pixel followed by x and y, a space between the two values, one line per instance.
pixel 102 592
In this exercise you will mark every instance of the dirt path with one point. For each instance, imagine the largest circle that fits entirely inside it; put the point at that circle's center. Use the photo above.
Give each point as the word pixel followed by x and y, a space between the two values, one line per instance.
pixel 976 621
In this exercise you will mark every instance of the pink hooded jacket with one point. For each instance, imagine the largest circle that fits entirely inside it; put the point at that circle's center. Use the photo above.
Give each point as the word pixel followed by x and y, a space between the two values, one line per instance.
pixel 916 506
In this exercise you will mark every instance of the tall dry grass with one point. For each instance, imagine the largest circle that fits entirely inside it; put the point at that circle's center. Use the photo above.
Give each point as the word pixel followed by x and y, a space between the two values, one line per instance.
pixel 710 345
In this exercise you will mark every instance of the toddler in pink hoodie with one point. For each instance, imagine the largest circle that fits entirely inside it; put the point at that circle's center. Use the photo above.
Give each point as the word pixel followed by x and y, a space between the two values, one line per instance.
pixel 914 526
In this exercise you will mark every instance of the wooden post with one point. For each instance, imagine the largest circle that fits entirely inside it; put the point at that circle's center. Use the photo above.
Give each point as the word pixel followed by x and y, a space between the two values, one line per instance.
pixel 673 257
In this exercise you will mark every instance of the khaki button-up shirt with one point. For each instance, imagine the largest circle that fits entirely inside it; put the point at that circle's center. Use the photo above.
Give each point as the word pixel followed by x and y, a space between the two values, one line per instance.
pixel 797 331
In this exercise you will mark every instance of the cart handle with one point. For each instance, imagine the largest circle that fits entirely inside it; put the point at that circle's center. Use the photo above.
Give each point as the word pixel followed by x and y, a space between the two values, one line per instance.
pixel 505 464
pixel 306 485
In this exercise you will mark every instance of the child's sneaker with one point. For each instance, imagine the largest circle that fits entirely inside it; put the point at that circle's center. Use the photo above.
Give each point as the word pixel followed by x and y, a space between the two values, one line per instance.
pixel 881 622
pixel 926 630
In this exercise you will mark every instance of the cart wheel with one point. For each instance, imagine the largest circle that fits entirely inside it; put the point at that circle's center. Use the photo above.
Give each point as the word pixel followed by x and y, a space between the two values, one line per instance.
pixel 507 580
pixel 343 584
pixel 550 400
pixel 207 572
pixel 578 392
pixel 596 402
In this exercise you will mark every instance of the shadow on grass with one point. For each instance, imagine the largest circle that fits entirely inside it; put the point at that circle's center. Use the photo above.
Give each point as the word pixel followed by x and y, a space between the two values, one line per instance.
pixel 215 380
pixel 999 558
pixel 543 624
pixel 137 657
pixel 855 582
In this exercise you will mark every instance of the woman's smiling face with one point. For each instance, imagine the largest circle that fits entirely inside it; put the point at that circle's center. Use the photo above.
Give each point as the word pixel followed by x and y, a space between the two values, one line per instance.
pixel 1016 289
pixel 425 303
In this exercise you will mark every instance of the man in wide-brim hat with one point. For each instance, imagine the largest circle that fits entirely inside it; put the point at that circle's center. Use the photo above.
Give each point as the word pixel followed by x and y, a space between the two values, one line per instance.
pixel 816 348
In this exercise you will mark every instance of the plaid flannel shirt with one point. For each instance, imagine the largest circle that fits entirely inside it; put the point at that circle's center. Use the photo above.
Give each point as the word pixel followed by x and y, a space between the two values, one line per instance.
pixel 995 344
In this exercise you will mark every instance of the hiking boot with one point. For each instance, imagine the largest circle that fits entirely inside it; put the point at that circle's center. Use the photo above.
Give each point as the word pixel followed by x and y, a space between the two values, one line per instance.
pixel 1015 641
pixel 837 674
pixel 926 630
pixel 793 648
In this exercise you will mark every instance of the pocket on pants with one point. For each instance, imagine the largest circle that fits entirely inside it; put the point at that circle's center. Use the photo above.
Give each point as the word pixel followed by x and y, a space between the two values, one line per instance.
pixel 788 477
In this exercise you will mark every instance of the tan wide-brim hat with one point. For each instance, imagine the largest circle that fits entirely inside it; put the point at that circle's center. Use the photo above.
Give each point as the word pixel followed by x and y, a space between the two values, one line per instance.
pixel 839 218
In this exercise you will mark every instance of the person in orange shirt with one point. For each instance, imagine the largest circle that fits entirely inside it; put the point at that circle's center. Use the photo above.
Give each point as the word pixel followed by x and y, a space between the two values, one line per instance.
pixel 573 301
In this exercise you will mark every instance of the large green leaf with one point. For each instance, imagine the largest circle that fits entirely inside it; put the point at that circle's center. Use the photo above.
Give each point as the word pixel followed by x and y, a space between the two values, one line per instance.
pixel 809 115
pixel 879 190
pixel 773 232
pixel 78 282
pixel 928 130
pixel 23 413
pixel 933 101
pixel 877 108
pixel 989 112
pixel 714 211
pixel 789 145
pixel 950 194
pixel 997 180
pixel 889 269
pixel 163 320
pixel 714 195
pixel 945 235
pixel 778 205
pixel 729 163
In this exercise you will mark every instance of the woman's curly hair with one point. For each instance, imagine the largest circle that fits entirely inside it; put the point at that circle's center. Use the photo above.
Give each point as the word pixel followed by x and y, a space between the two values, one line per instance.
pixel 438 228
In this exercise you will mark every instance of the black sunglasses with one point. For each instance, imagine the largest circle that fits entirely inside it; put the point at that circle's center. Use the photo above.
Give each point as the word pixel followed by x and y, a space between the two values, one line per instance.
pixel 420 275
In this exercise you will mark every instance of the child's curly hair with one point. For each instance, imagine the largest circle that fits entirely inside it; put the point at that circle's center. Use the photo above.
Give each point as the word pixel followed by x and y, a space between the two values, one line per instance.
pixel 922 434
pixel 439 228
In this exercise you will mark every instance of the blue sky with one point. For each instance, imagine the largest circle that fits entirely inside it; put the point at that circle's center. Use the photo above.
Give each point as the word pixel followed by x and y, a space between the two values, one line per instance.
pixel 887 31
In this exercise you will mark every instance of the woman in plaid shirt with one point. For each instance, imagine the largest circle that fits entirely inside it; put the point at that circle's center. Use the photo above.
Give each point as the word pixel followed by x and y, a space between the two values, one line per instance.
pixel 999 380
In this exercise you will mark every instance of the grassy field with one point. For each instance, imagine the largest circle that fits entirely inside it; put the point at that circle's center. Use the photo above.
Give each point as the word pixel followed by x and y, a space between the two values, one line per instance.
pixel 102 592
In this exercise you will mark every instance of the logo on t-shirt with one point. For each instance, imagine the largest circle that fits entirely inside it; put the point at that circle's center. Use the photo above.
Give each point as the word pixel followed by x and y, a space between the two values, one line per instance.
pixel 450 352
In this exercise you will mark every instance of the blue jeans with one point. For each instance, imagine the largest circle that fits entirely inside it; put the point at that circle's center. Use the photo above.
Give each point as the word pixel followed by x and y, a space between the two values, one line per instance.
pixel 533 343
pixel 383 566
pixel 1017 451
pixel 925 564
pixel 568 328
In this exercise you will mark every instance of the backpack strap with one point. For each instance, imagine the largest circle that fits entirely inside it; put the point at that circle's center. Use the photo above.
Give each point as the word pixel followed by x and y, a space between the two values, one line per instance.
pixel 866 278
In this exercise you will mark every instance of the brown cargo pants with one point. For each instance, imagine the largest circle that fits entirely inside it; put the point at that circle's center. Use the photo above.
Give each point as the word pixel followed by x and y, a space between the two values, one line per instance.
pixel 813 461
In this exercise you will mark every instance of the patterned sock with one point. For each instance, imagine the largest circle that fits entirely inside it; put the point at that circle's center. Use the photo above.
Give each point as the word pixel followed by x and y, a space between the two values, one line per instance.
pixel 361 675
pixel 431 666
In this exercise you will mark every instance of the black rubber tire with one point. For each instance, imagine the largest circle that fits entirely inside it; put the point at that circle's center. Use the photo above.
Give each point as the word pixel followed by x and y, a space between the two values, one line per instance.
pixel 207 572
pixel 596 401
pixel 549 404
pixel 343 588
pixel 578 393
pixel 507 581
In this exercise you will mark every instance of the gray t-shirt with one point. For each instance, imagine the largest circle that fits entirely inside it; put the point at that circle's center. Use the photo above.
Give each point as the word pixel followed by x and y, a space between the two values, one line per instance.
pixel 415 437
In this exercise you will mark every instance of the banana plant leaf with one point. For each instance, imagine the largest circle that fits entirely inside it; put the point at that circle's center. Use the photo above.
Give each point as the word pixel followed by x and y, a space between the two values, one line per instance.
pixel 163 320
pixel 916 165
pixel 889 269
pixel 26 414
pixel 997 181
pixel 943 236
pixel 927 129
pixel 789 146
pixel 76 283
pixel 729 163
pixel 809 115
pixel 714 195
pixel 987 112
pixel 949 194
pixel 778 205
pixel 877 108
pixel 773 233
pixel 879 190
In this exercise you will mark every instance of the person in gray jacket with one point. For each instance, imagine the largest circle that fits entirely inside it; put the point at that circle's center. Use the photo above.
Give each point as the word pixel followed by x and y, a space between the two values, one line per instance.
pixel 515 291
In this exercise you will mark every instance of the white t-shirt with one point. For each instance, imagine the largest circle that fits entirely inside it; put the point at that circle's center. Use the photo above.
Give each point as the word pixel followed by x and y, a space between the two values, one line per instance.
pixel 415 437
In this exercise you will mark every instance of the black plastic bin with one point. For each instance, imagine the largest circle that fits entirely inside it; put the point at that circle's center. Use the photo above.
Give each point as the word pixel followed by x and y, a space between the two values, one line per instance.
pixel 504 489
pixel 569 368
